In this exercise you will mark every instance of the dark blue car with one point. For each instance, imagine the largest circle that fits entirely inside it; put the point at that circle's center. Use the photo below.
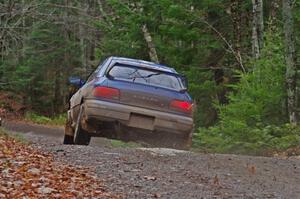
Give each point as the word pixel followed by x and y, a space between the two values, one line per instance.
pixel 127 99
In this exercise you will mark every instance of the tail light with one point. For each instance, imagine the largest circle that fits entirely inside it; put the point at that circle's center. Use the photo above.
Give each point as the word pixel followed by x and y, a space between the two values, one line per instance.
pixel 181 106
pixel 106 92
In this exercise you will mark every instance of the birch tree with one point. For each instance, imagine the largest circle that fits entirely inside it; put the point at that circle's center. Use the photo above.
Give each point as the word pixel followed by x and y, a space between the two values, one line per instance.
pixel 152 50
pixel 290 58
pixel 139 9
pixel 257 28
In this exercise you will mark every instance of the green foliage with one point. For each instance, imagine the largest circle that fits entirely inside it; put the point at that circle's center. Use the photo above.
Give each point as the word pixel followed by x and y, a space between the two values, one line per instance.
pixel 37 118
pixel 203 90
pixel 259 91
pixel 256 103
pixel 58 120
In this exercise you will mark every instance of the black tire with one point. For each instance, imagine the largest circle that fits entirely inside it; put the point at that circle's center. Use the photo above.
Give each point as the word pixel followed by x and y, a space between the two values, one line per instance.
pixel 81 137
pixel 68 139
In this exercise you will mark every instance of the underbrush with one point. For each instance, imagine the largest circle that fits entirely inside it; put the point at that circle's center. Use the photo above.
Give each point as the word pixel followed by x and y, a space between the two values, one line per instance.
pixel 254 141
pixel 58 120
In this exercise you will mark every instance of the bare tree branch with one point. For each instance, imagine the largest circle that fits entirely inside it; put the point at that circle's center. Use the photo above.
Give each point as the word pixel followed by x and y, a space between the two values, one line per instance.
pixel 236 55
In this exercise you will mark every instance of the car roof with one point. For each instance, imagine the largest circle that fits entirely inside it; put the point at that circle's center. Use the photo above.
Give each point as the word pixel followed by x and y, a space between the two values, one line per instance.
pixel 142 63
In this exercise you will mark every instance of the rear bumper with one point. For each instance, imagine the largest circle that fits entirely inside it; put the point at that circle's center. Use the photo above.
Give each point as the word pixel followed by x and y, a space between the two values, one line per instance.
pixel 160 121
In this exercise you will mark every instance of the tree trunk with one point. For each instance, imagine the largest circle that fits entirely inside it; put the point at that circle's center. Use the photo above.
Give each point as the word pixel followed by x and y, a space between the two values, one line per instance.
pixel 67 68
pixel 83 35
pixel 103 13
pixel 235 7
pixel 87 36
pixel 57 90
pixel 257 28
pixel 260 23
pixel 152 51
pixel 291 59
pixel 272 26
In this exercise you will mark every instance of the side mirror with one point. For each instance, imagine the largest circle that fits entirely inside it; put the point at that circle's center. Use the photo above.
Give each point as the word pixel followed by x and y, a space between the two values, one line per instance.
pixel 76 81
pixel 184 81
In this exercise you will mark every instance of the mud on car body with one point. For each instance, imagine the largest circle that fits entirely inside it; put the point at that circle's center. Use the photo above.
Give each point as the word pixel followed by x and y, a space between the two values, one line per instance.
pixel 130 99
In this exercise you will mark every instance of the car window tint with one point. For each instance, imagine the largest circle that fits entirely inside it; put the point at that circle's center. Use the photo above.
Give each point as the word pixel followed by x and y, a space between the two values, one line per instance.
pixel 144 76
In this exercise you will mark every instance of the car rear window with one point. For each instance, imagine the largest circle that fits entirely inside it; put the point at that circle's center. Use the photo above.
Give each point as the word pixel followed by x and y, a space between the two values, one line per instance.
pixel 146 76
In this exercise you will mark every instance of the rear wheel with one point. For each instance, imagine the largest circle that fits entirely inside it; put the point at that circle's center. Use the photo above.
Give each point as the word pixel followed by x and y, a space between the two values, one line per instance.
pixel 81 137
pixel 68 139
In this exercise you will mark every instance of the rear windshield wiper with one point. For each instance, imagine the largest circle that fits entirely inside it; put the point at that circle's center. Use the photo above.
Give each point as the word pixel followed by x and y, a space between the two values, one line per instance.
pixel 145 77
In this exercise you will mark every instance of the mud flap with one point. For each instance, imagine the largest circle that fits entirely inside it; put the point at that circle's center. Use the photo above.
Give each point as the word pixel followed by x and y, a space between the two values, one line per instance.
pixel 68 126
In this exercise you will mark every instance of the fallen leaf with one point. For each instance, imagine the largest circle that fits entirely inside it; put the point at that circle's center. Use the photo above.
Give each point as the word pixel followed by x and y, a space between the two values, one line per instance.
pixel 252 169
pixel 45 190
pixel 216 180
pixel 150 178
pixel 34 171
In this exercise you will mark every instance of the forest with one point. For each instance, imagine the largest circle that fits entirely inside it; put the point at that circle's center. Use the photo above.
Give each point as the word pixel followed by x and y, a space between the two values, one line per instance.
pixel 240 57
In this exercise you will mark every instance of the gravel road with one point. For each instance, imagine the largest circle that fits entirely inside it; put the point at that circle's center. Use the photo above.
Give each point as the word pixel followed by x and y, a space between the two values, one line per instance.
pixel 166 173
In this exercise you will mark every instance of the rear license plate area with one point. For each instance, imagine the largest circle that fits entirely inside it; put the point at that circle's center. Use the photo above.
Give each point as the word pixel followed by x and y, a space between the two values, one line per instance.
pixel 141 121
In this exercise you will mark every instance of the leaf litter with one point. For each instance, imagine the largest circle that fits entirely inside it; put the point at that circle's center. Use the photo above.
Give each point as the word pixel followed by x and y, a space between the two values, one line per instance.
pixel 28 173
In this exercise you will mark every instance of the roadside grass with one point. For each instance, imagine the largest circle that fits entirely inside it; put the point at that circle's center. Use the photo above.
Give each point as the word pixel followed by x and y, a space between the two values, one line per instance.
pixel 121 144
pixel 58 120
pixel 16 136
pixel 255 141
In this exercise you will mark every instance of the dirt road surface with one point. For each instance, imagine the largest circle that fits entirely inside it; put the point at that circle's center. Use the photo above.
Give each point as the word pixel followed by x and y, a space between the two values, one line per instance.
pixel 166 173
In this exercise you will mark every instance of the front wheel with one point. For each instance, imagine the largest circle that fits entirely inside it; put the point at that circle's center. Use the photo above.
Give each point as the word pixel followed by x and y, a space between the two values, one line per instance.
pixel 81 137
